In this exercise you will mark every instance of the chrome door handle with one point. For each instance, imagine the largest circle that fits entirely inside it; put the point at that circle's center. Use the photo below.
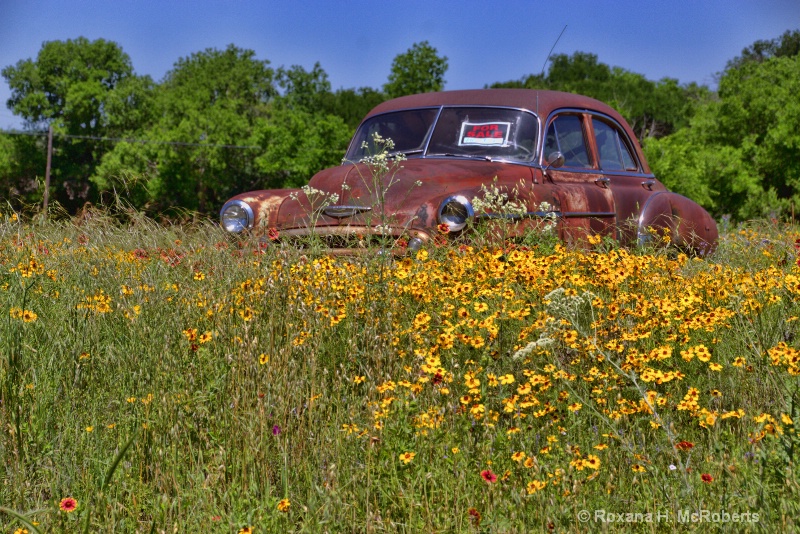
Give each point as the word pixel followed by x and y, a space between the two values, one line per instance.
pixel 648 184
pixel 602 181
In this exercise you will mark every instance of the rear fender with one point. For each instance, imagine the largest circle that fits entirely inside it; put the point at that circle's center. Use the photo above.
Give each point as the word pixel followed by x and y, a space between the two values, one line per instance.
pixel 689 226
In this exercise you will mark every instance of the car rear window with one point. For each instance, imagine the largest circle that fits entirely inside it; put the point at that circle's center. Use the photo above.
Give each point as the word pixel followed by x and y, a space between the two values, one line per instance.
pixel 614 152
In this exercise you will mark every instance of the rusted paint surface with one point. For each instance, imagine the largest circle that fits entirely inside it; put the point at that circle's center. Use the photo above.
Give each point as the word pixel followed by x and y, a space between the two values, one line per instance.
pixel 587 201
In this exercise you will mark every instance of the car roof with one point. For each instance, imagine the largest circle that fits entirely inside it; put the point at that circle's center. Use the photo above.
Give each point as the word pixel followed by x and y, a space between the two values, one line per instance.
pixel 539 101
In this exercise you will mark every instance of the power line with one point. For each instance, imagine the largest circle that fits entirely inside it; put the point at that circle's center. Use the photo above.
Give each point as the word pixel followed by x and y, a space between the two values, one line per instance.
pixel 127 140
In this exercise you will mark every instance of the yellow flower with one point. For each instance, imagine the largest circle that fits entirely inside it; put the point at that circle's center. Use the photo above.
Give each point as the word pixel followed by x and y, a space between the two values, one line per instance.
pixel 637 468
pixel 263 358
pixel 507 379
pixel 406 457
pixel 592 462
pixel 358 379
pixel 283 505
pixel 534 486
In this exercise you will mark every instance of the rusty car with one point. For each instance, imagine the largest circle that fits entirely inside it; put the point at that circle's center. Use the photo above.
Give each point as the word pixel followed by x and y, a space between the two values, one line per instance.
pixel 423 166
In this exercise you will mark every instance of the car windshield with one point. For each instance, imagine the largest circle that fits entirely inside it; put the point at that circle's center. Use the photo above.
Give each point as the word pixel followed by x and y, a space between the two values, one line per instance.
pixel 483 132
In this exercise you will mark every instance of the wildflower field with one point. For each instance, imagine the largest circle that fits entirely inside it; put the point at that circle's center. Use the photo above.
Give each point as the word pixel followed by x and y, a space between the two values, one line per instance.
pixel 175 379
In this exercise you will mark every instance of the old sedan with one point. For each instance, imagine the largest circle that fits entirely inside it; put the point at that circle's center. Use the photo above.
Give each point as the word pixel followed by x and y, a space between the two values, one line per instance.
pixel 442 163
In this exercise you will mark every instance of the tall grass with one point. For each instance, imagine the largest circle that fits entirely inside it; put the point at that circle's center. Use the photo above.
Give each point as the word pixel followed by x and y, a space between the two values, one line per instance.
pixel 172 378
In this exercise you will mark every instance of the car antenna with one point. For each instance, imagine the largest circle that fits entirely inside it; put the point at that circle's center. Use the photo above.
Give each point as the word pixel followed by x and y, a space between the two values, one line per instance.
pixel 552 48
pixel 541 75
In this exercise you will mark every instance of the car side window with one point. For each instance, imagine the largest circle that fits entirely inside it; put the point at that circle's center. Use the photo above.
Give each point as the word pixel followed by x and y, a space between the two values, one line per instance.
pixel 565 134
pixel 614 152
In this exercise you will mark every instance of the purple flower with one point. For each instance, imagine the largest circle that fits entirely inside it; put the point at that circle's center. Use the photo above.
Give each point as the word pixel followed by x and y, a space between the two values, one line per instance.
pixel 276 430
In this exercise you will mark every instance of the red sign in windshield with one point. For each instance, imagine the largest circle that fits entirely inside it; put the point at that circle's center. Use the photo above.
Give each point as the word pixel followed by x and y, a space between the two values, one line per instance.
pixel 484 133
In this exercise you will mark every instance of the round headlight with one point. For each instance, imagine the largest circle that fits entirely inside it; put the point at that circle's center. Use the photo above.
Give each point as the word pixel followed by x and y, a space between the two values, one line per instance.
pixel 236 216
pixel 455 212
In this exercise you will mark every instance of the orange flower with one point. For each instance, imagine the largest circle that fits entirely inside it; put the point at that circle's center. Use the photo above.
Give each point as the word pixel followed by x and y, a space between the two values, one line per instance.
pixel 284 505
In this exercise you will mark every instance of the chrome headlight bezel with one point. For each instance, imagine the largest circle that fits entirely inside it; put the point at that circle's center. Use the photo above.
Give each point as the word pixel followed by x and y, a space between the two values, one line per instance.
pixel 455 211
pixel 236 216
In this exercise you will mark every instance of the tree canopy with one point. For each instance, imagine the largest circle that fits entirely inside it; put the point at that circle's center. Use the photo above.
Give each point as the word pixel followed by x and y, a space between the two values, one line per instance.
pixel 418 70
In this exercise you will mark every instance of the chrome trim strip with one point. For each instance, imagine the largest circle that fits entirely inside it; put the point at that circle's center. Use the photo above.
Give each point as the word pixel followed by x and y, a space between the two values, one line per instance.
pixel 545 214
pixel 578 214
pixel 340 212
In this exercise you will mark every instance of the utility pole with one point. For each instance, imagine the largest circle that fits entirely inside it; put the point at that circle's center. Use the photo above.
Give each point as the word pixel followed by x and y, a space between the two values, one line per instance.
pixel 47 169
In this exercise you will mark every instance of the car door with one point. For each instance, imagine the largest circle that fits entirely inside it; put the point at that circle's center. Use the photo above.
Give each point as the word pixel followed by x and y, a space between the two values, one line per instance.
pixel 586 201
pixel 622 173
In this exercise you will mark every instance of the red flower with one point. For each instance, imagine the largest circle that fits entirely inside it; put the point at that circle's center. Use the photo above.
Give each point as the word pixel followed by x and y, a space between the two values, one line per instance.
pixel 272 234
pixel 443 228
pixel 474 516
pixel 488 476
pixel 684 445
pixel 68 504
pixel 705 477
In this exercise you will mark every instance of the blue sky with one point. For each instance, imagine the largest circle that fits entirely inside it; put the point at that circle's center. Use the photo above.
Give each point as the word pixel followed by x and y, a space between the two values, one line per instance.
pixel 355 41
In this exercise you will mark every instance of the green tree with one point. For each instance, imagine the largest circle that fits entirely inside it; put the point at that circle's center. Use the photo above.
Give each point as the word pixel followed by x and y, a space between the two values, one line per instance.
pixel 200 129
pixel 295 144
pixel 418 70
pixel 22 164
pixel 352 105
pixel 787 45
pixel 67 87
pixel 311 91
pixel 740 154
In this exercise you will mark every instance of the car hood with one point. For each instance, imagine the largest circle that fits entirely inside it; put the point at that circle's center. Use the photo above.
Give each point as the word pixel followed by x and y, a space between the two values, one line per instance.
pixel 407 195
